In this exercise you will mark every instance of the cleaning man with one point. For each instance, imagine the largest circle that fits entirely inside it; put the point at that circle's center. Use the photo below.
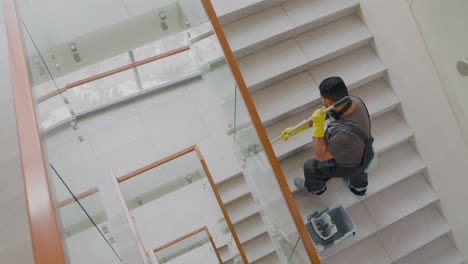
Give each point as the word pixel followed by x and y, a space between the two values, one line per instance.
pixel 344 148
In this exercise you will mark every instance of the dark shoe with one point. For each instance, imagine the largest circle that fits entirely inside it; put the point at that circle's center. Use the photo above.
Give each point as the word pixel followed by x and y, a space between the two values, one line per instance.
pixel 358 191
pixel 319 192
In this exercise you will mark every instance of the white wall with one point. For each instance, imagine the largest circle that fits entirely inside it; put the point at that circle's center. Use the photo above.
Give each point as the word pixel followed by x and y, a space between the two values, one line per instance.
pixel 413 77
pixel 15 240
pixel 443 25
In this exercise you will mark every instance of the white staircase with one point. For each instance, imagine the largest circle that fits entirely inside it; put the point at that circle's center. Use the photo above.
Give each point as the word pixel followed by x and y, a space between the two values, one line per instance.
pixel 285 48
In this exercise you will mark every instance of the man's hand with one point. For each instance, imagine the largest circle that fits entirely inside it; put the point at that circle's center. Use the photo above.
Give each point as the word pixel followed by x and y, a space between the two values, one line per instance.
pixel 318 119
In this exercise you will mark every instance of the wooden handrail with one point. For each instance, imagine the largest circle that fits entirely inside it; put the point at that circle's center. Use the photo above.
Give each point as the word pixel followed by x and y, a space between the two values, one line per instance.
pixel 205 229
pixel 221 205
pixel 174 156
pixel 79 196
pixel 112 72
pixel 45 233
pixel 287 195
pixel 156 164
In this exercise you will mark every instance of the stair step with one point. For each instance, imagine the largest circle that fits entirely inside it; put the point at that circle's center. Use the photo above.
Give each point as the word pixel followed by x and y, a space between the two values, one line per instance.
pixel 250 228
pixel 300 91
pixel 438 251
pixel 363 215
pixel 328 39
pixel 365 227
pixel 368 251
pixel 305 12
pixel 286 98
pixel 370 68
pixel 230 11
pixel 273 25
pixel 389 130
pixel 258 247
pixel 242 208
pixel 378 97
pixel 256 32
pixel 271 258
pixel 225 254
pixel 233 189
pixel 287 58
pixel 394 166
pixel 413 232
pixel 387 207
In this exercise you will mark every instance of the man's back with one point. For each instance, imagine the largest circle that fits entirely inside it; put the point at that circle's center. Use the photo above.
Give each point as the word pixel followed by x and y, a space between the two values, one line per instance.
pixel 348 148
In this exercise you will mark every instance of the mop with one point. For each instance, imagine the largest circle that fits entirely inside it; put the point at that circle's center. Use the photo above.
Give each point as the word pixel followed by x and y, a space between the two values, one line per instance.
pixel 326 110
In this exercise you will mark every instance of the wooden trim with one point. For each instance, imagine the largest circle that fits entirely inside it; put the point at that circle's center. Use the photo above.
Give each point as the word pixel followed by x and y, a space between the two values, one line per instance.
pixel 221 206
pixel 79 197
pixel 156 164
pixel 113 71
pixel 214 246
pixel 51 94
pixel 287 195
pixel 189 235
pixel 128 67
pixel 45 232
pixel 132 174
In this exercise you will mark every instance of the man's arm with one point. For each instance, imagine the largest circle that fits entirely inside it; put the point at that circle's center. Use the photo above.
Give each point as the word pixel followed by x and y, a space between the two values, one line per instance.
pixel 320 147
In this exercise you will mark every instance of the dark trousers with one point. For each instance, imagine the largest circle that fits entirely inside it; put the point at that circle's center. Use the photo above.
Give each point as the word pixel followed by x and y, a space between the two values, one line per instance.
pixel 317 173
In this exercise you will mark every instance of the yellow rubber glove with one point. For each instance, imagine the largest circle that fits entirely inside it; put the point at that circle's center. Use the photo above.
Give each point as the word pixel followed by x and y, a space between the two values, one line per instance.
pixel 318 127
pixel 285 134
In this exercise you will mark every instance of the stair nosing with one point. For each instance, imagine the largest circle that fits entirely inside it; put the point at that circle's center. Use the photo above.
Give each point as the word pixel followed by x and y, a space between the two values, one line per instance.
pixel 294 31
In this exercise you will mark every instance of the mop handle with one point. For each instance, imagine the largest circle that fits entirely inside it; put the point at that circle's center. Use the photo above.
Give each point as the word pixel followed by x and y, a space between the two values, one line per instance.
pixel 326 110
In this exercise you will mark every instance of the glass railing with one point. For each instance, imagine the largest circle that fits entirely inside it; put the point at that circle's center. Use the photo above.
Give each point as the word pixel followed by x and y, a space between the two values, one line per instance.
pixel 195 247
pixel 133 84
pixel 171 197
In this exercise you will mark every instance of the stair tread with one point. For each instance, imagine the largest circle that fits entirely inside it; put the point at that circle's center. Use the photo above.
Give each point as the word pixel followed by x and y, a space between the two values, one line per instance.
pixel 258 247
pixel 438 251
pixel 270 62
pixel 250 228
pixel 233 188
pixel 365 227
pixel 394 166
pixel 258 27
pixel 224 253
pixel 345 67
pixel 387 207
pixel 286 97
pixel 368 251
pixel 273 25
pixel 303 11
pixel 299 91
pixel 377 95
pixel 287 58
pixel 406 200
pixel 242 208
pixel 271 258
pixel 334 36
pixel 413 232
pixel 230 11
pixel 385 138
